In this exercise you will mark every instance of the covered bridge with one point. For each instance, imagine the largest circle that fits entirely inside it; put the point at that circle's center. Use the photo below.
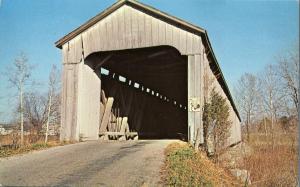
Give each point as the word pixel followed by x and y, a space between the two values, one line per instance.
pixel 159 70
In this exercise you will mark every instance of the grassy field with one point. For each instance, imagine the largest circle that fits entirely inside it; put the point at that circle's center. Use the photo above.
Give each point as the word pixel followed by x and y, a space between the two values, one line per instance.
pixel 31 143
pixel 7 151
pixel 186 167
pixel 270 166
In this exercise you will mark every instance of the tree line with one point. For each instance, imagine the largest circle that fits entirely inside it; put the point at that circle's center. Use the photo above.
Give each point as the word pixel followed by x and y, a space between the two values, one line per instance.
pixel 269 100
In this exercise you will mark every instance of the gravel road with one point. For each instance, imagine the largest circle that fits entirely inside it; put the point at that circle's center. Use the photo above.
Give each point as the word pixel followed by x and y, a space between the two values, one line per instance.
pixel 93 163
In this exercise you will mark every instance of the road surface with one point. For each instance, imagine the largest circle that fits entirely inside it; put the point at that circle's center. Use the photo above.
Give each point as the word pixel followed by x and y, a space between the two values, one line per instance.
pixel 93 163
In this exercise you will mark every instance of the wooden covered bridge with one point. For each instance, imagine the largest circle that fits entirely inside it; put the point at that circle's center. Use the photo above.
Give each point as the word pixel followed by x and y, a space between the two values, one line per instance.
pixel 136 62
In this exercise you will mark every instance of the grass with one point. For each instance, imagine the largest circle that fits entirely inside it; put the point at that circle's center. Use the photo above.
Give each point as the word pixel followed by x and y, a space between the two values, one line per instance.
pixel 186 167
pixel 273 167
pixel 9 149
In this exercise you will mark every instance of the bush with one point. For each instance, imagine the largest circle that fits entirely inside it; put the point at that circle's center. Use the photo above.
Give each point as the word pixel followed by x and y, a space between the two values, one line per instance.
pixel 185 167
pixel 216 123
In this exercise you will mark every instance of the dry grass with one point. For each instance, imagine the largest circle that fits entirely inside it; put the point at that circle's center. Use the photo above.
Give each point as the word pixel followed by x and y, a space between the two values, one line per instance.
pixel 185 167
pixel 32 143
pixel 28 139
pixel 9 151
pixel 273 167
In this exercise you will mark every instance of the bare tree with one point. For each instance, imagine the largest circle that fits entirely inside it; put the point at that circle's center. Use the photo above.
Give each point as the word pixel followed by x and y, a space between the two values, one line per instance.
pixel 35 109
pixel 272 94
pixel 247 98
pixel 36 112
pixel 53 86
pixel 288 70
pixel 18 75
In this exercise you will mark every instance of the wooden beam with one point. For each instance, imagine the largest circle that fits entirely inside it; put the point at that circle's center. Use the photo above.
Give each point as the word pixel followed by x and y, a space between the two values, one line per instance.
pixel 191 93
pixel 107 113
pixel 103 61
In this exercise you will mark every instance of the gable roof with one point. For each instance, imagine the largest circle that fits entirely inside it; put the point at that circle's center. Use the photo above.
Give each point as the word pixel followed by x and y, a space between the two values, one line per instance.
pixel 164 17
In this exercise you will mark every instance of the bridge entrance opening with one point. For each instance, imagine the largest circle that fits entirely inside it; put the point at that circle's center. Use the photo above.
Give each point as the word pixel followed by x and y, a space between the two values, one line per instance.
pixel 149 87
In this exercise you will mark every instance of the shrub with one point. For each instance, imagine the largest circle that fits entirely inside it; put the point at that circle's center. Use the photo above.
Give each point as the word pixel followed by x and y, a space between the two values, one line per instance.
pixel 185 167
pixel 215 122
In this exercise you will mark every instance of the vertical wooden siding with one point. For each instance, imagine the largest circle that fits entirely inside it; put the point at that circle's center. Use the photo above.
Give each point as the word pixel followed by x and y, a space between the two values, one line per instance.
pixel 210 83
pixel 128 28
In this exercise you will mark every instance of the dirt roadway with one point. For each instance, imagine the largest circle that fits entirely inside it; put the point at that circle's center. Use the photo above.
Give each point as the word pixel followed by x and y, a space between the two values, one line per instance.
pixel 94 163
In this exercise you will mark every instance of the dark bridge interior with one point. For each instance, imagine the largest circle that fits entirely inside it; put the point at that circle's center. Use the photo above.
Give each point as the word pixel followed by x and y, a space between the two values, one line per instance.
pixel 149 86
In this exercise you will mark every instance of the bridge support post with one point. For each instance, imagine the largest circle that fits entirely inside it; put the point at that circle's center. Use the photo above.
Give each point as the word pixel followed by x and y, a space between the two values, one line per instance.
pixel 80 117
pixel 195 99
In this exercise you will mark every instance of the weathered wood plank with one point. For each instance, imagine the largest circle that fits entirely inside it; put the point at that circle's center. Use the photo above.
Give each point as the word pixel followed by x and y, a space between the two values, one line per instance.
pixel 109 35
pixel 141 32
pixel 119 133
pixel 148 30
pixel 154 29
pixel 196 44
pixel 191 93
pixel 88 111
pixel 205 77
pixel 93 39
pixel 103 35
pixel 106 115
pixel 134 28
pixel 63 103
pixel 197 141
pixel 189 43
pixel 183 41
pixel 128 36
pixel 103 97
pixel 169 38
pixel 112 122
pixel 85 44
pixel 102 108
pixel 90 42
pixel 99 40
pixel 124 124
pixel 121 26
pixel 176 38
pixel 71 49
pixel 119 123
pixel 199 94
pixel 161 32
pixel 115 31
pixel 69 102
pixel 65 53
pixel 78 49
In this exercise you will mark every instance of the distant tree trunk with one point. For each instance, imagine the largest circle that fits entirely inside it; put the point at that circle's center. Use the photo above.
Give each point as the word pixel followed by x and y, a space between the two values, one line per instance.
pixel 53 81
pixel 18 74
pixel 272 131
pixel 247 126
pixel 265 126
pixel 21 114
pixel 48 116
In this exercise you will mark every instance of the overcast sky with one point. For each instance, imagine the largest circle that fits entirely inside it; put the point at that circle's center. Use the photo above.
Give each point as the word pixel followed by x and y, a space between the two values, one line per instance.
pixel 245 35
